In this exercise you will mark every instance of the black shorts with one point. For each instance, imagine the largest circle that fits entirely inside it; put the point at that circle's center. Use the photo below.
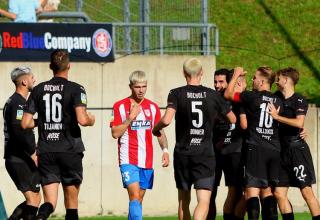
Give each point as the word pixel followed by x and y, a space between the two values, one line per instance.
pixel 196 170
pixel 261 166
pixel 24 173
pixel 296 168
pixel 232 167
pixel 61 167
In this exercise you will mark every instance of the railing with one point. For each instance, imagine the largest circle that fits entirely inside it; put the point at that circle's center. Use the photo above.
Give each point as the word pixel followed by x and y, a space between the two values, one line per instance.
pixel 65 14
pixel 165 38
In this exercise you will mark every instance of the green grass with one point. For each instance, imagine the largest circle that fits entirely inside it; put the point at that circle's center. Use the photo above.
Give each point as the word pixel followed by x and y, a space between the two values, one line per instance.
pixel 276 33
pixel 298 216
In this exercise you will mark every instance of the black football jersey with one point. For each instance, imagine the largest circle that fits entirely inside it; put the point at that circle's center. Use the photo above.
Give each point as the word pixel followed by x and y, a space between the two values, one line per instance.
pixel 227 137
pixel 18 142
pixel 197 108
pixel 262 129
pixel 55 101
pixel 292 107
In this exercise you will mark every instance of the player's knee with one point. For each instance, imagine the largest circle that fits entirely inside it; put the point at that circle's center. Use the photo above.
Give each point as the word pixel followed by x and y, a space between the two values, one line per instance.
pixel 135 196
pixel 279 195
pixel 307 193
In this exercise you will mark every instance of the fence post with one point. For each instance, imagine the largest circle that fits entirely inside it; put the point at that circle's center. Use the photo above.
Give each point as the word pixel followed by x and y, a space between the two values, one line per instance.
pixel 204 34
pixel 127 29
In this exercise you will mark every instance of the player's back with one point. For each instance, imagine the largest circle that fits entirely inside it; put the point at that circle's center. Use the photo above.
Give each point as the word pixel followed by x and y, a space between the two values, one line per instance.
pixel 55 101
pixel 263 130
pixel 196 110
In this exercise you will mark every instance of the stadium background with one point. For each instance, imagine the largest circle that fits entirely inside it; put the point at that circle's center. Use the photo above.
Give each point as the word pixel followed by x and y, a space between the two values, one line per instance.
pixel 252 33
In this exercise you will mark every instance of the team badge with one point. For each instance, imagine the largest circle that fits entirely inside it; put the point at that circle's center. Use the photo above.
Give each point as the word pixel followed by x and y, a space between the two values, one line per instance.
pixel 102 42
pixel 147 112
pixel 19 114
pixel 83 98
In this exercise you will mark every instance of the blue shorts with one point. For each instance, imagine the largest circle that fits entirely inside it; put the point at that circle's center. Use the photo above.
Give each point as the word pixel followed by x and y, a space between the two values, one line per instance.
pixel 131 174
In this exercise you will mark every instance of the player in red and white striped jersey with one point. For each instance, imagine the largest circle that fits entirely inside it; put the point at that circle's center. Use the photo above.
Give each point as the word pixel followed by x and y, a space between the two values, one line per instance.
pixel 133 120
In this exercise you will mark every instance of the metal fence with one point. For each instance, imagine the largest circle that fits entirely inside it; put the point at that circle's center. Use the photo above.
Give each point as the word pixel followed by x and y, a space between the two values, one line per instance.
pixel 166 38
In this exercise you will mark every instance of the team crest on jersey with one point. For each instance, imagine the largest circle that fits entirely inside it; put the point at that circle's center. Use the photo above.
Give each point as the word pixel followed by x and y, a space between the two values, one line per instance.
pixel 83 98
pixel 140 124
pixel 147 112
pixel 19 114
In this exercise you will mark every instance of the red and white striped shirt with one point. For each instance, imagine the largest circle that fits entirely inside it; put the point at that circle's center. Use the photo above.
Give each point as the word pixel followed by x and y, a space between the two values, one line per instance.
pixel 135 145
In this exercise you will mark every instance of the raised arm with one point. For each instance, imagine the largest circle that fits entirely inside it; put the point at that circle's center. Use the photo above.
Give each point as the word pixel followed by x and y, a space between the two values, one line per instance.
pixel 118 130
pixel 231 89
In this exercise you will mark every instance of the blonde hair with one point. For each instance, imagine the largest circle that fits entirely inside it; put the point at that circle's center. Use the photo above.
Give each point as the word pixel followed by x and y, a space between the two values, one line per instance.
pixel 137 76
pixel 192 66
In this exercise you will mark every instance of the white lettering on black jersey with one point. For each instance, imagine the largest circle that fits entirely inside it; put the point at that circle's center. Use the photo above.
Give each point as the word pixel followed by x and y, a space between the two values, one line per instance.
pixel 55 101
pixel 263 130
pixel 196 110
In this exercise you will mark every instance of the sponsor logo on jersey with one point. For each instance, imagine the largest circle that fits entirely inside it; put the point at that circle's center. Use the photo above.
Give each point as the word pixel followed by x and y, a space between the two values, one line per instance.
pixel 195 141
pixel 83 98
pixel 140 124
pixel 19 114
pixel 102 42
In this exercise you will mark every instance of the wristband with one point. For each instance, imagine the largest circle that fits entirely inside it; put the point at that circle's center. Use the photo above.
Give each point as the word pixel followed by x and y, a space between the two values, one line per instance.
pixel 165 150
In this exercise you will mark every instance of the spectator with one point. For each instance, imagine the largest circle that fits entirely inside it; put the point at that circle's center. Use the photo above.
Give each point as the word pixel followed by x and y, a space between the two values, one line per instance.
pixel 51 6
pixel 23 10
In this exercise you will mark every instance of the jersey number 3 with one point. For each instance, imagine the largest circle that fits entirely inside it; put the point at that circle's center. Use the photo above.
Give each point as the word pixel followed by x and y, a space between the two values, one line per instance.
pixel 53 107
pixel 197 123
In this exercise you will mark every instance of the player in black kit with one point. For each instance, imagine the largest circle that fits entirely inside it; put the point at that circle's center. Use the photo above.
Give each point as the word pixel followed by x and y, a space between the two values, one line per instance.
pixel 227 142
pixel 195 108
pixel 263 146
pixel 20 156
pixel 296 162
pixel 61 105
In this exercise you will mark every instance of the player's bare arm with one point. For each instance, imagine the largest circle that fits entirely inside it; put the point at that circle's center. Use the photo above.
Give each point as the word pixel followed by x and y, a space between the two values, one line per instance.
pixel 231 117
pixel 230 91
pixel 297 122
pixel 164 121
pixel 163 142
pixel 27 121
pixel 118 131
pixel 243 121
pixel 84 118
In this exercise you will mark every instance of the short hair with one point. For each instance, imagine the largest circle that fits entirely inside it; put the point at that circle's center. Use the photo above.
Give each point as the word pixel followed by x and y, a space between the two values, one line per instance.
pixel 290 72
pixel 267 72
pixel 192 66
pixel 137 76
pixel 59 61
pixel 17 72
pixel 224 72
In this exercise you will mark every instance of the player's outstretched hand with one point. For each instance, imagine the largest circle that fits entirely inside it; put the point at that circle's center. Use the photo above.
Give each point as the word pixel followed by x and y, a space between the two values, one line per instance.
pixel 239 71
pixel 273 111
pixel 165 159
